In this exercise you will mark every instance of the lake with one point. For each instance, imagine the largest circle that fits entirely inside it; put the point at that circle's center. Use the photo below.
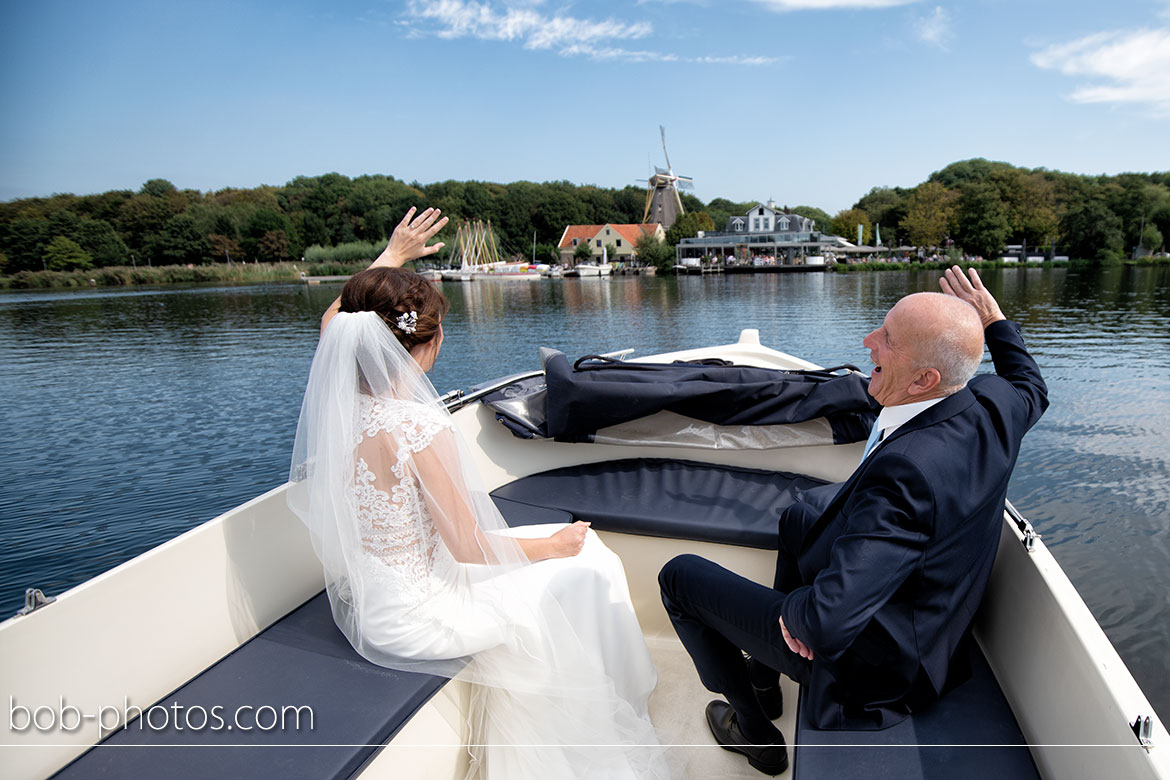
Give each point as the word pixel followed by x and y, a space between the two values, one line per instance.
pixel 130 416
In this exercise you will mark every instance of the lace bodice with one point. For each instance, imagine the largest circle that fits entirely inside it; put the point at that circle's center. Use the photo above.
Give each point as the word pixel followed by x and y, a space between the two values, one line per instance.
pixel 397 533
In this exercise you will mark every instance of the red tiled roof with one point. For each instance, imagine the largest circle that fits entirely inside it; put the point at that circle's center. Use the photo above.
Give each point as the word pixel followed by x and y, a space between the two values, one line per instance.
pixel 632 233
pixel 582 232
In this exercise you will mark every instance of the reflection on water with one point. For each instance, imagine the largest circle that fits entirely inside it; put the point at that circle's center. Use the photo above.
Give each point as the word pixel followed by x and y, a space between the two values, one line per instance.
pixel 131 416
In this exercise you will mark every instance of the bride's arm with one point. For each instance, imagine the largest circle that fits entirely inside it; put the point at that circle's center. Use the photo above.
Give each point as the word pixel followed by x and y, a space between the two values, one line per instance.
pixel 408 242
pixel 447 498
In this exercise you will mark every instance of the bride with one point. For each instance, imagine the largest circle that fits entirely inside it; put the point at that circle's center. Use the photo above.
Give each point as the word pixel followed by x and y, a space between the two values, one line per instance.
pixel 422 572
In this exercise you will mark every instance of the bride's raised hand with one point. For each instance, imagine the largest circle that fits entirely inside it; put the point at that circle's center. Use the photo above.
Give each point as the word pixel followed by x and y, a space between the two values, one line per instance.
pixel 409 240
pixel 568 541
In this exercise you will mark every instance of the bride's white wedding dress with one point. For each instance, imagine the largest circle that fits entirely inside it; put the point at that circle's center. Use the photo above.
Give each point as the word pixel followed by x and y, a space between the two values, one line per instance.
pixel 418 613
pixel 423 574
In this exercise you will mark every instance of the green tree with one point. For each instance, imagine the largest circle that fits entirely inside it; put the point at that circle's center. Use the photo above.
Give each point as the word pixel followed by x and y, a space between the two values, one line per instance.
pixel 256 232
pixel 1151 238
pixel 273 246
pixel 688 226
pixel 611 251
pixel 157 188
pixel 1031 206
pixel 981 224
pixel 99 239
pixel 886 206
pixel 179 242
pixel 1091 231
pixel 547 253
pixel 142 218
pixel 629 203
pixel 929 211
pixel 653 251
pixel 964 171
pixel 65 254
pixel 823 222
pixel 24 241
pixel 846 222
pixel 722 209
pixel 583 252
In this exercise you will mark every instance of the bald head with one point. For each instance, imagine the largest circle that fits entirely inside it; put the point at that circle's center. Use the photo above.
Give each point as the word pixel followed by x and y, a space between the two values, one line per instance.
pixel 929 345
pixel 944 333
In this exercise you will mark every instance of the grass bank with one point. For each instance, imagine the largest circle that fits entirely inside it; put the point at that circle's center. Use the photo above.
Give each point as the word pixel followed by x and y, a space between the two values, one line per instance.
pixel 941 265
pixel 126 276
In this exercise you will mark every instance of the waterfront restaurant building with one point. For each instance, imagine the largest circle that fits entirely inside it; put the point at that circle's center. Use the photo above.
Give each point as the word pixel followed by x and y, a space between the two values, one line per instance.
pixel 764 236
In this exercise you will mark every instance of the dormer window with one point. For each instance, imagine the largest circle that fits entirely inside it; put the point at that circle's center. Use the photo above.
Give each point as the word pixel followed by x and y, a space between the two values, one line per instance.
pixel 737 224
pixel 783 223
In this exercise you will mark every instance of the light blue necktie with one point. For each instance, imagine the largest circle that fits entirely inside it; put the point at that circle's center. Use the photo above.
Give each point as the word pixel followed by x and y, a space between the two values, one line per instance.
pixel 875 437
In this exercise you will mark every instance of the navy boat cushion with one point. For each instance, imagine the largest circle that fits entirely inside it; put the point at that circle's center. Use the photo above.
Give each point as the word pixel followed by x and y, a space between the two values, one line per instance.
pixel 968 734
pixel 669 498
pixel 302 660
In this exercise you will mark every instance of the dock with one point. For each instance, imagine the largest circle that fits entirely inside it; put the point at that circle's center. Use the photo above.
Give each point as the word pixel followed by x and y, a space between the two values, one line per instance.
pixel 324 279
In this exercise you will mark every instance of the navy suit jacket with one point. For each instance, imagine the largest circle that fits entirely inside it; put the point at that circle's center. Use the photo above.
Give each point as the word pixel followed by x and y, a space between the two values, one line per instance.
pixel 890 573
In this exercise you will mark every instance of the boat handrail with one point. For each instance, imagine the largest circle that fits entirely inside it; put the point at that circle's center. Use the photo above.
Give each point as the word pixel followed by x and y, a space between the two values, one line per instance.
pixel 1026 528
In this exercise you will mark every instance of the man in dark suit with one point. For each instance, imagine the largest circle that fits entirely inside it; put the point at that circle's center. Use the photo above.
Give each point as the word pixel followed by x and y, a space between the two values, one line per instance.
pixel 877 582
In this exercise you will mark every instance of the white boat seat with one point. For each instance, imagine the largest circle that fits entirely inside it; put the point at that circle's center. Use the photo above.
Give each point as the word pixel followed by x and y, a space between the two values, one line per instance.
pixel 677 499
pixel 968 734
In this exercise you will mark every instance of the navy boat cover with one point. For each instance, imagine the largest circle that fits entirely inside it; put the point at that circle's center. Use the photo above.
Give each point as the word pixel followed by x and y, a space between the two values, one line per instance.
pixel 572 402
pixel 675 499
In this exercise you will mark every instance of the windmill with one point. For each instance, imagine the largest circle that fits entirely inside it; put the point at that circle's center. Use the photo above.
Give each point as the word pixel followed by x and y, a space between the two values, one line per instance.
pixel 663 203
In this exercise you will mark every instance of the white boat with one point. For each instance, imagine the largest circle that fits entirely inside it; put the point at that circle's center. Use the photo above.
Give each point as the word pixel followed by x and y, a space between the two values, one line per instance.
pixel 502 270
pixel 239 590
pixel 585 270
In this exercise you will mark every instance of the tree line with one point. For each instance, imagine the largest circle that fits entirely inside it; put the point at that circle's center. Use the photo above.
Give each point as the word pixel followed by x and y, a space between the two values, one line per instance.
pixel 976 205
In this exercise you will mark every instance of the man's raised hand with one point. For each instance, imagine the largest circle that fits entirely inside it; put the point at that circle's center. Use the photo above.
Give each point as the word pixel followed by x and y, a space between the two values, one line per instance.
pixel 971 290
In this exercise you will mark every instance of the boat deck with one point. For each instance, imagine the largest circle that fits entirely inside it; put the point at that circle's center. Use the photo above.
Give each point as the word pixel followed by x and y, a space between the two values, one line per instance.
pixel 676 708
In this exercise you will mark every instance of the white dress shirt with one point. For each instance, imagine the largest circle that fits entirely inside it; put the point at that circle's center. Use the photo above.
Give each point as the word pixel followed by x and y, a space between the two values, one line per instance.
pixel 891 418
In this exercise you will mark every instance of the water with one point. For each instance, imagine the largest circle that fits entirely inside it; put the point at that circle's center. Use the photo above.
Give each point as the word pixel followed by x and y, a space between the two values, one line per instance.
pixel 132 416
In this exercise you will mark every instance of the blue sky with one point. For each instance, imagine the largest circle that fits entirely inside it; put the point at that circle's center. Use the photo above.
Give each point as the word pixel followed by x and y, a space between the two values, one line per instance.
pixel 806 101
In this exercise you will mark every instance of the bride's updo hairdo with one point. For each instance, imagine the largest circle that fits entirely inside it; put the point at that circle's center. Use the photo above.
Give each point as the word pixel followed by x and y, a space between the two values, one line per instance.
pixel 393 294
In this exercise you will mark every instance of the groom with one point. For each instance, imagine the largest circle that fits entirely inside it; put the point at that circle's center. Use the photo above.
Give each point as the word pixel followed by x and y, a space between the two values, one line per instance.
pixel 876 587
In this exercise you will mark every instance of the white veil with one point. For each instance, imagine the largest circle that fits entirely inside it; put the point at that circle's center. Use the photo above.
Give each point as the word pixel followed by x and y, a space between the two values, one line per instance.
pixel 434 590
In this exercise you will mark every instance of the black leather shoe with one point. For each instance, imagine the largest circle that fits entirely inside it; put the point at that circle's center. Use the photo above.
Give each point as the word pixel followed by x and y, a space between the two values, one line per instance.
pixel 769 759
pixel 771 700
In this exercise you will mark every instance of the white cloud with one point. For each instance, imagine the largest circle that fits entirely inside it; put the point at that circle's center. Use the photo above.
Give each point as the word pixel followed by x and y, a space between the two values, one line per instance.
pixel 1124 66
pixel 828 5
pixel 461 19
pixel 734 59
pixel 935 28
pixel 567 35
